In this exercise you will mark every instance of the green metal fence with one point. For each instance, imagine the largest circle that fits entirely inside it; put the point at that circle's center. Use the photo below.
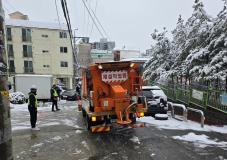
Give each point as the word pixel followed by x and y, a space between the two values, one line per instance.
pixel 203 98
pixel 183 94
pixel 214 100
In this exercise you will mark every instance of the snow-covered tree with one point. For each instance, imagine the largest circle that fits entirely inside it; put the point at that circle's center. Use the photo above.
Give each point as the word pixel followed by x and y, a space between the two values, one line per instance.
pixel 159 61
pixel 216 67
pixel 198 48
pixel 198 26
pixel 177 47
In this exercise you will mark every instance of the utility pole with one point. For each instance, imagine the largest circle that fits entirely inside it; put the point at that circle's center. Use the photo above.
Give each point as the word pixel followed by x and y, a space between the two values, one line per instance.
pixel 5 124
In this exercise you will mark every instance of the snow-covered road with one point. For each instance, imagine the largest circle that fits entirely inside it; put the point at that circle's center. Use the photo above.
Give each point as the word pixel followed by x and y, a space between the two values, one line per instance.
pixel 63 136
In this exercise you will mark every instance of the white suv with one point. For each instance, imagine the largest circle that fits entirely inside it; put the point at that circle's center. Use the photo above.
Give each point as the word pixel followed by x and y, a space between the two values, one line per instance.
pixel 156 99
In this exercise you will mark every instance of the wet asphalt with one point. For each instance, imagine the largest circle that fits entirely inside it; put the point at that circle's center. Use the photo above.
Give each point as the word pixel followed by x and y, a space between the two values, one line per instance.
pixel 63 137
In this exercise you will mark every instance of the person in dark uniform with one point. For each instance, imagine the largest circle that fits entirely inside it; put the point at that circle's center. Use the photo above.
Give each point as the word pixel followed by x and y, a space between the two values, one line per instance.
pixel 54 97
pixel 32 107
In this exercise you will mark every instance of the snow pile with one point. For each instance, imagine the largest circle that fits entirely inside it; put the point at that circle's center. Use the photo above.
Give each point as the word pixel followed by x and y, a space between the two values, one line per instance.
pixel 78 131
pixel 84 143
pixel 174 124
pixel 135 139
pixel 17 98
pixel 15 128
pixel 77 151
pixel 68 122
pixel 50 124
pixel 37 145
pixel 56 138
pixel 201 141
pixel 161 116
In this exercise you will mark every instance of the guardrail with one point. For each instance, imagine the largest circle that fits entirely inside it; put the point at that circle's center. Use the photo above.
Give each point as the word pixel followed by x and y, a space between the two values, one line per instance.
pixel 185 112
pixel 179 106
pixel 200 112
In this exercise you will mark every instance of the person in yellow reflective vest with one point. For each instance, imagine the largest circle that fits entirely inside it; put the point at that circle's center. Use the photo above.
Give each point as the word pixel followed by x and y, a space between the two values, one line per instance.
pixel 54 97
pixel 32 107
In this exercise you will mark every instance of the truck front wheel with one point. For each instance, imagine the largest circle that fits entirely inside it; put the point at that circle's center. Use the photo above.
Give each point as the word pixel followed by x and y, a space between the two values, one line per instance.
pixel 83 113
pixel 88 122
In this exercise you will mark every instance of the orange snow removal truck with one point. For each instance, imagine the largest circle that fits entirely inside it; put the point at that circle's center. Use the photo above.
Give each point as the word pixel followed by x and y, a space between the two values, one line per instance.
pixel 112 93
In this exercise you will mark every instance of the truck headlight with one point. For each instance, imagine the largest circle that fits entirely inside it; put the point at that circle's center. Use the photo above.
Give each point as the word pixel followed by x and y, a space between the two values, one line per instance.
pixel 141 114
pixel 132 65
pixel 93 119
pixel 100 66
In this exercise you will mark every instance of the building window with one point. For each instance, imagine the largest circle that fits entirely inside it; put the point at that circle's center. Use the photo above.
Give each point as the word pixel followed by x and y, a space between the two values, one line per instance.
pixel 10 50
pixel 27 51
pixel 64 64
pixel 28 67
pixel 45 51
pixel 44 35
pixel 46 66
pixel 11 66
pixel 26 35
pixel 63 50
pixel 9 34
pixel 63 34
pixel 64 81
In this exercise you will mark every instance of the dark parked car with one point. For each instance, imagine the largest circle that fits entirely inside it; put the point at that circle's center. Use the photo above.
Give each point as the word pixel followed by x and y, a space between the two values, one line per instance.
pixel 70 95
pixel 156 100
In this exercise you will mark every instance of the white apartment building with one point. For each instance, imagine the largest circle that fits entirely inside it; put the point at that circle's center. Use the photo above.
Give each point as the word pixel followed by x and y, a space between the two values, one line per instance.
pixel 39 48
pixel 126 54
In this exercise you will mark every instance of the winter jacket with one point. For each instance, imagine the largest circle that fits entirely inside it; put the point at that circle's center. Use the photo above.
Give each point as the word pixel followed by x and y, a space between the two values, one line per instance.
pixel 54 93
pixel 32 100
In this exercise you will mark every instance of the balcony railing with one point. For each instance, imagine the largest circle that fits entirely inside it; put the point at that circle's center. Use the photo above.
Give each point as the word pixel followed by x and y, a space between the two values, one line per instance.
pixel 10 54
pixel 9 38
pixel 27 55
pixel 28 69
pixel 11 69
pixel 26 38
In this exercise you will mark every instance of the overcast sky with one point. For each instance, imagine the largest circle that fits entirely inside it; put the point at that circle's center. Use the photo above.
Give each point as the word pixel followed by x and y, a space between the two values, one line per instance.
pixel 127 22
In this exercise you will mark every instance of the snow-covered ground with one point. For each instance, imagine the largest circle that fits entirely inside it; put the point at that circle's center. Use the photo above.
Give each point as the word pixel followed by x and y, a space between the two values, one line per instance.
pixel 174 124
pixel 44 116
pixel 201 140
pixel 65 131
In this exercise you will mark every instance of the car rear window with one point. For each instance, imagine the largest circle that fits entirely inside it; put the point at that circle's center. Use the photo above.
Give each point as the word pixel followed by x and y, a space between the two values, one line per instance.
pixel 147 93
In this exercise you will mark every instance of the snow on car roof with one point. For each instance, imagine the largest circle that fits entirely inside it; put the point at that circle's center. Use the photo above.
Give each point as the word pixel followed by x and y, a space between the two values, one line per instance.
pixel 158 93
pixel 151 87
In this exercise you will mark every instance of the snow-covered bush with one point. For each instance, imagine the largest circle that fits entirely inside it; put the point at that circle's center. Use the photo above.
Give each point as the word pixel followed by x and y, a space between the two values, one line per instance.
pixel 17 98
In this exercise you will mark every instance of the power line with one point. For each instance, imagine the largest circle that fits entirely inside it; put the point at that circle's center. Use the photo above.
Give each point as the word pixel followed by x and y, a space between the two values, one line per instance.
pixel 93 19
pixel 99 23
pixel 92 26
pixel 67 18
pixel 84 20
pixel 88 19
pixel 11 6
pixel 56 6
